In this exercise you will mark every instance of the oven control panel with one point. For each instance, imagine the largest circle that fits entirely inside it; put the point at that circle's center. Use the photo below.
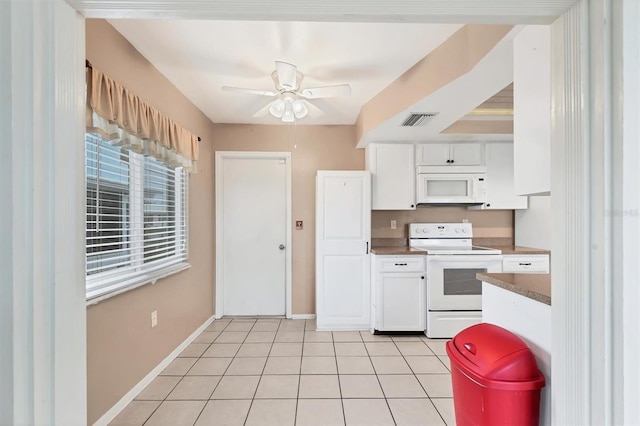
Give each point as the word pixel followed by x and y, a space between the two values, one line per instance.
pixel 440 230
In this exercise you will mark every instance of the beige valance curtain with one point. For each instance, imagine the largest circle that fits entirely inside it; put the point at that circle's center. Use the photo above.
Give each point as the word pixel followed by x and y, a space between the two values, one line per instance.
pixel 123 119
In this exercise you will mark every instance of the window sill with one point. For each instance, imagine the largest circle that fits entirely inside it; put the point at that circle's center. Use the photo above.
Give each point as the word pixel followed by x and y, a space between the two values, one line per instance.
pixel 96 296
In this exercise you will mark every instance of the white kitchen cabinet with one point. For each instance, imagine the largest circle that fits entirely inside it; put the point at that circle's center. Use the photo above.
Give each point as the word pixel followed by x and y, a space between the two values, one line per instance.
pixel 532 110
pixel 525 263
pixel 433 154
pixel 343 231
pixel 531 321
pixel 399 293
pixel 450 154
pixel 501 194
pixel 393 176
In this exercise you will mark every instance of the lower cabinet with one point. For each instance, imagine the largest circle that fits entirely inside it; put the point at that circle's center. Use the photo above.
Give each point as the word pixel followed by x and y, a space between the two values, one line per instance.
pixel 399 293
pixel 525 263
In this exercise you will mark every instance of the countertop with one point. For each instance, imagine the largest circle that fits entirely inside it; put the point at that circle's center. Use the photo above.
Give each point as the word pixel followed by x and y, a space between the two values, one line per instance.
pixel 404 249
pixel 396 250
pixel 516 249
pixel 533 286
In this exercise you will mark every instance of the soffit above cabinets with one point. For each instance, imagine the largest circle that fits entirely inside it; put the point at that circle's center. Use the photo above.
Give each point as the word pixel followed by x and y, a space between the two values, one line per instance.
pixel 477 105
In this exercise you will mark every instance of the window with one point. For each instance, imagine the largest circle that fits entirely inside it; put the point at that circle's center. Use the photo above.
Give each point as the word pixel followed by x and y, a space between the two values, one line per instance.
pixel 136 223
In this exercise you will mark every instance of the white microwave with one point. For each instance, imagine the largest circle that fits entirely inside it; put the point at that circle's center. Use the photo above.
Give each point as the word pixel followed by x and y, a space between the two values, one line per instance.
pixel 451 188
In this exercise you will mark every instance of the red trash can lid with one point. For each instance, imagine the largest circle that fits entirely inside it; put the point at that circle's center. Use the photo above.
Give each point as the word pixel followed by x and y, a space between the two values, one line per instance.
pixel 497 353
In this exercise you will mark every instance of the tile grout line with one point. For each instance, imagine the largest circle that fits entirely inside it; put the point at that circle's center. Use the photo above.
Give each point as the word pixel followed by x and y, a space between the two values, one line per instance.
pixel 295 416
pixel 217 384
pixel 386 400
pixel 335 358
pixel 260 379
pixel 179 381
pixel 420 383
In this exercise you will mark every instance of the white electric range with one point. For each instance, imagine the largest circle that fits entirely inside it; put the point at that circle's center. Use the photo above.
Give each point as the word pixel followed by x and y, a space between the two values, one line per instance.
pixel 454 295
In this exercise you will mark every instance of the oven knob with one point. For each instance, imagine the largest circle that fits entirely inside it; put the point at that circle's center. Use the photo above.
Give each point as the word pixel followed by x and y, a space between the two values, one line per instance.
pixel 464 230
pixel 418 230
pixel 425 230
pixel 457 230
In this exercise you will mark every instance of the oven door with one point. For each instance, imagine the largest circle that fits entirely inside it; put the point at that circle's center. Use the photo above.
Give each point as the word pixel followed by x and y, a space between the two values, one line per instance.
pixel 452 283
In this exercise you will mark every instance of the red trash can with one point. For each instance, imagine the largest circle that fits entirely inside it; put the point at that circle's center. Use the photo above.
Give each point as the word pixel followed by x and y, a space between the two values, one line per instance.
pixel 495 377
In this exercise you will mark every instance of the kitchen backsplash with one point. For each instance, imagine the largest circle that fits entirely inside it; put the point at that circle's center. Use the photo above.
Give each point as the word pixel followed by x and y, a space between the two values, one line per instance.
pixel 496 224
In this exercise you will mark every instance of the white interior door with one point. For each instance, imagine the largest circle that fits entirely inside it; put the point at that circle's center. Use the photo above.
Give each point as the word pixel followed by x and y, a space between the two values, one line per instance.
pixel 343 229
pixel 254 235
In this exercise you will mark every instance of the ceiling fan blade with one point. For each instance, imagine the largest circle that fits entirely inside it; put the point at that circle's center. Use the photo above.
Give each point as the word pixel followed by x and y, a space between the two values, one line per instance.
pixel 263 111
pixel 249 91
pixel 286 75
pixel 326 91
pixel 314 111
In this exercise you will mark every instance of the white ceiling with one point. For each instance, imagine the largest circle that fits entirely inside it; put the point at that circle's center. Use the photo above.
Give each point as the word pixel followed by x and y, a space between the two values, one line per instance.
pixel 199 57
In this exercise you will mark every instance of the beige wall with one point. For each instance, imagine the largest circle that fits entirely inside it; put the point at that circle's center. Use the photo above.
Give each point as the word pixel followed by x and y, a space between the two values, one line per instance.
pixel 121 346
pixel 312 148
pixel 486 224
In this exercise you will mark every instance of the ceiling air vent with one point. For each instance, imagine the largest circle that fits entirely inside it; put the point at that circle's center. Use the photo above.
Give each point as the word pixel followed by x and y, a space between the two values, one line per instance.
pixel 417 119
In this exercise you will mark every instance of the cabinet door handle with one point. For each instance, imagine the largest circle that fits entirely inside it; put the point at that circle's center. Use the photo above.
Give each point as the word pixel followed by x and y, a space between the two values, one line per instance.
pixel 367 248
pixel 525 264
pixel 422 277
pixel 401 264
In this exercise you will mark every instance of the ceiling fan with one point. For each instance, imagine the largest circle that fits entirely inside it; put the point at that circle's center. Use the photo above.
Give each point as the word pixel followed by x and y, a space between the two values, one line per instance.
pixel 292 101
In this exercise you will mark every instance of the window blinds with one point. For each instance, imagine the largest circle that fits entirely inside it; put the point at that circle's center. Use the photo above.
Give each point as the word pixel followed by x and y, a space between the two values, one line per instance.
pixel 136 223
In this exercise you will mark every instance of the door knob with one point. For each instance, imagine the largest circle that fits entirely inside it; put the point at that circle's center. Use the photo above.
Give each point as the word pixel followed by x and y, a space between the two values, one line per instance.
pixel 281 246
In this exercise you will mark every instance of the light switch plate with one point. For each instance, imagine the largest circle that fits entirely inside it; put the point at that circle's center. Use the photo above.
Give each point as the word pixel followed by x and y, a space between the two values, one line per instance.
pixel 394 224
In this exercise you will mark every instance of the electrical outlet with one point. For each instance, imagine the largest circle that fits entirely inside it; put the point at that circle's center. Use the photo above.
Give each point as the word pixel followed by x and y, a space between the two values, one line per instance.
pixel 154 318
pixel 465 220
pixel 394 224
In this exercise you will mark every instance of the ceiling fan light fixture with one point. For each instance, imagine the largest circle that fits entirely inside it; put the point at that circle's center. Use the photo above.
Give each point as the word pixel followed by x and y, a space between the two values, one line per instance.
pixel 277 108
pixel 300 110
pixel 288 115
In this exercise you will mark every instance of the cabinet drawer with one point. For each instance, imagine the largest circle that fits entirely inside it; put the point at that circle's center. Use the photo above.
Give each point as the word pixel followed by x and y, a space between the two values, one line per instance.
pixel 537 263
pixel 414 263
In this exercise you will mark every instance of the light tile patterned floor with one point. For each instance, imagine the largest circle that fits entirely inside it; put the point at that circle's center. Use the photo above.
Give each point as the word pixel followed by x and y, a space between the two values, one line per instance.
pixel 272 372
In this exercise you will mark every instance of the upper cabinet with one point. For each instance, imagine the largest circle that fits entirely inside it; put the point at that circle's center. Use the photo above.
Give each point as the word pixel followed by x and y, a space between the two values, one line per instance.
pixel 532 110
pixel 393 176
pixel 449 154
pixel 393 171
pixel 500 190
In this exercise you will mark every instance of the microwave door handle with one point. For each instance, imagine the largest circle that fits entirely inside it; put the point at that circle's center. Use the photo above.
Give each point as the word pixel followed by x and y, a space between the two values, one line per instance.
pixel 474 189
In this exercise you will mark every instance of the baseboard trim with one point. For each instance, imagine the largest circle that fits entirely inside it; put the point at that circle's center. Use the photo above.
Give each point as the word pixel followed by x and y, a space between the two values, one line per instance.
pixel 303 316
pixel 129 396
pixel 341 328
